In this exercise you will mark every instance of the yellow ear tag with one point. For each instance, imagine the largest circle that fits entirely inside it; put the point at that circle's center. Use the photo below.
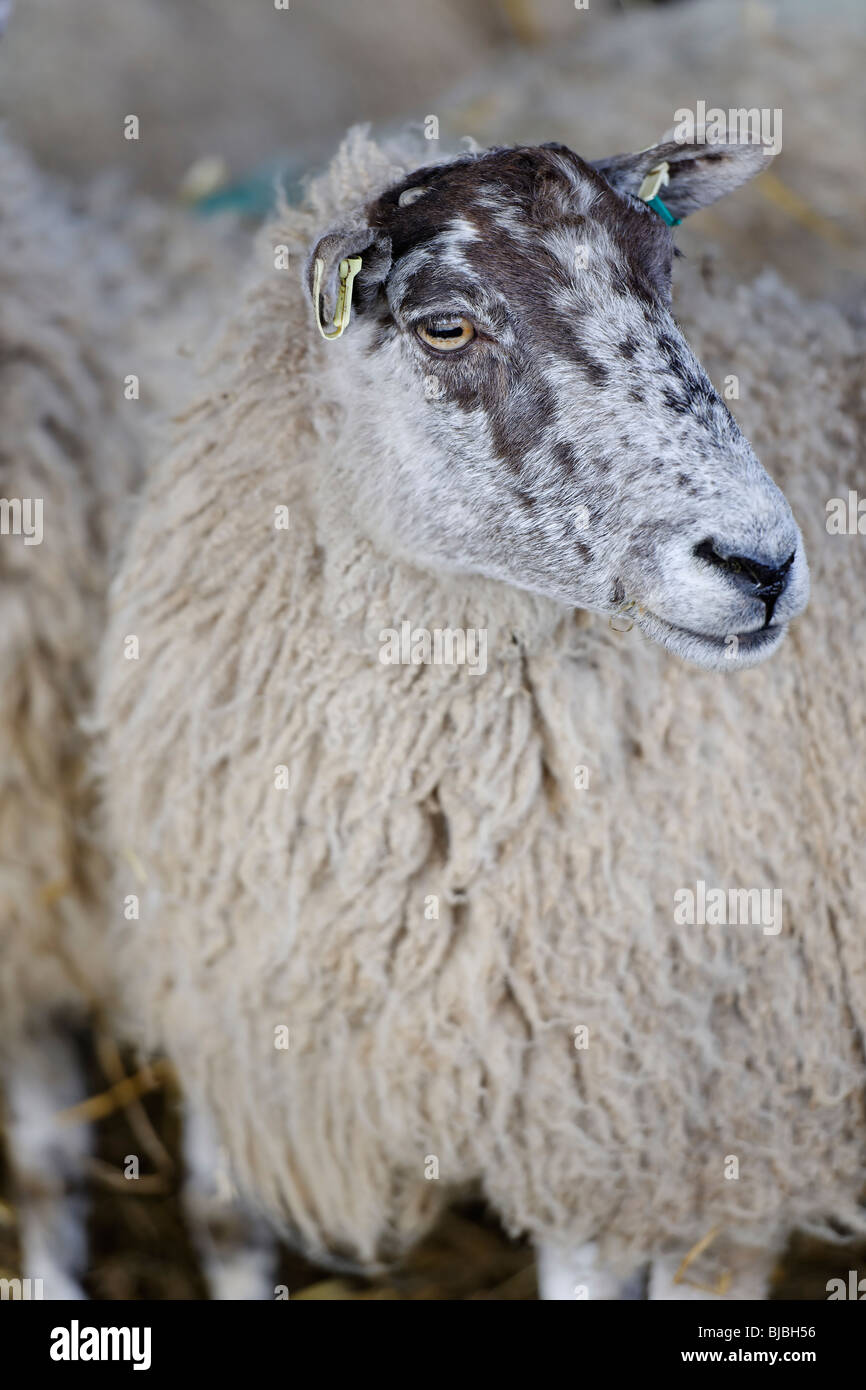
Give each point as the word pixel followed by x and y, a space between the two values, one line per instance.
pixel 347 272
pixel 655 179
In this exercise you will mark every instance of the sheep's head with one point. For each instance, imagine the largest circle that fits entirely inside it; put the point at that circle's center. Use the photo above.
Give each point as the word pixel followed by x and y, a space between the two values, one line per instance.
pixel 523 406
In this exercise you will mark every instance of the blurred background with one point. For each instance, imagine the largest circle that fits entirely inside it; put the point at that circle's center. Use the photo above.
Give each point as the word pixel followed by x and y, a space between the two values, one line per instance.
pixel 233 90
pixel 231 94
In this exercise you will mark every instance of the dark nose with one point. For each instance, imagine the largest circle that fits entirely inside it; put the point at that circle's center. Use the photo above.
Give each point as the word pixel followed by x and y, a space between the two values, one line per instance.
pixel 754 576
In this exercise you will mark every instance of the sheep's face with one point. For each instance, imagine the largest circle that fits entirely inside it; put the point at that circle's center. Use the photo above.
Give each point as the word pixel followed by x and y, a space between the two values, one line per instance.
pixel 523 405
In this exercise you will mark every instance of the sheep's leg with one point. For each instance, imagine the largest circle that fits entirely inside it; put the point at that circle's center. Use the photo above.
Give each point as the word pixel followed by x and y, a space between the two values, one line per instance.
pixel 48 1159
pixel 745 1275
pixel 577 1274
pixel 237 1251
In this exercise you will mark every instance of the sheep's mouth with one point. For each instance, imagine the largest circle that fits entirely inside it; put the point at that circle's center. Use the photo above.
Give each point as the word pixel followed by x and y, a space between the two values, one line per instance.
pixel 732 652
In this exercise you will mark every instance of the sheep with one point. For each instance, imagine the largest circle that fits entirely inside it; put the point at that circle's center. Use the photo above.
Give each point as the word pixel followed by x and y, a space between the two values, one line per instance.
pixel 407 927
pixel 67 461
pixel 95 298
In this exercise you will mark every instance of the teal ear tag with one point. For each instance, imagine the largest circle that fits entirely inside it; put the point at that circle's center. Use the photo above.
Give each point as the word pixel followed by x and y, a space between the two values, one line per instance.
pixel 649 193
pixel 664 212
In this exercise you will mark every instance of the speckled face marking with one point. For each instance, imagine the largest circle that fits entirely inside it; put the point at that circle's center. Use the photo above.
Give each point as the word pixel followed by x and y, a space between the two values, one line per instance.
pixel 533 413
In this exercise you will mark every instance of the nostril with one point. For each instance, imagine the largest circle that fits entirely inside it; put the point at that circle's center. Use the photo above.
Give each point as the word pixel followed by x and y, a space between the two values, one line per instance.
pixel 747 568
pixel 764 581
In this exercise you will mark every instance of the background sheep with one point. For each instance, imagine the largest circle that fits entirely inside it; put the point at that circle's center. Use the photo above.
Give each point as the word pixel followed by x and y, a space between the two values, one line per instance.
pixel 414 1036
pixel 68 454
pixel 93 307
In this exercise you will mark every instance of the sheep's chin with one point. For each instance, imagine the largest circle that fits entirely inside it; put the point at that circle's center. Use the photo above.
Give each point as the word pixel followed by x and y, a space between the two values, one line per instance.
pixel 714 653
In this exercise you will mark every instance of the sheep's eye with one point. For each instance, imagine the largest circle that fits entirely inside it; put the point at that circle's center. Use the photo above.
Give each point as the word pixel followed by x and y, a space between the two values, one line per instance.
pixel 446 334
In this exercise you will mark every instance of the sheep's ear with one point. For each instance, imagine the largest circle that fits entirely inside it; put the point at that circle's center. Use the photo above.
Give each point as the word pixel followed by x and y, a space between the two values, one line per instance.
pixel 699 172
pixel 339 245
